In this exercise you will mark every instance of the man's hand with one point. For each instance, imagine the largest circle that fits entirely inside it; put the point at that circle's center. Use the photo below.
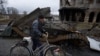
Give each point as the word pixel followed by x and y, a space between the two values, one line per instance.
pixel 44 35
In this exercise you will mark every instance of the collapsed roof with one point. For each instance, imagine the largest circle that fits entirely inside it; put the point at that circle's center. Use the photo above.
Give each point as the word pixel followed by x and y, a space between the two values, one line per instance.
pixel 28 19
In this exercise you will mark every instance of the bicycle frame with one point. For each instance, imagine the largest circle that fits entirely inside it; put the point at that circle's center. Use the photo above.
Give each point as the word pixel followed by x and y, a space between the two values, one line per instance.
pixel 42 47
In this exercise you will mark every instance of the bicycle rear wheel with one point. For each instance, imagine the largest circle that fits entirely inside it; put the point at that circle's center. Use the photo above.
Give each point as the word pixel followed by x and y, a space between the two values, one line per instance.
pixel 20 51
pixel 54 51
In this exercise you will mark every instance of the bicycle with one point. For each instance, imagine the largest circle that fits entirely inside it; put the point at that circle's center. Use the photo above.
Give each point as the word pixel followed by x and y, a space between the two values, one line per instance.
pixel 21 49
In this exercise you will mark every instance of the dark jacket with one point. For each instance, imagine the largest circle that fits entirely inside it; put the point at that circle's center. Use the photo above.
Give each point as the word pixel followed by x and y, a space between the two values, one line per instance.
pixel 37 29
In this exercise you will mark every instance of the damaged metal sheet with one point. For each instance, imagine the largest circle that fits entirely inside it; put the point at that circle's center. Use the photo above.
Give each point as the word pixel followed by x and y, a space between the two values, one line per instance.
pixel 28 19
pixel 95 45
pixel 19 25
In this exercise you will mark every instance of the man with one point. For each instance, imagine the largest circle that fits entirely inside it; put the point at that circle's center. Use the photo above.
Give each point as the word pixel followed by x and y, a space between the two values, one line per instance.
pixel 37 32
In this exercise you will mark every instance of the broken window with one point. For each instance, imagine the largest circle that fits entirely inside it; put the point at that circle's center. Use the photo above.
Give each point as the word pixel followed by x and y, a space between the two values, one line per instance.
pixel 91 17
pixel 67 2
pixel 67 15
pixel 73 16
pixel 82 16
pixel 98 18
pixel 61 2
pixel 61 16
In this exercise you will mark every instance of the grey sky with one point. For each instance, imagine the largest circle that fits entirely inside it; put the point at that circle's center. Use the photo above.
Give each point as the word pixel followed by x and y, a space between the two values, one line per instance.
pixel 30 5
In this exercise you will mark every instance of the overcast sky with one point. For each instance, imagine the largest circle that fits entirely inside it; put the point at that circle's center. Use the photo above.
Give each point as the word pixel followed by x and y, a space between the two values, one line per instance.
pixel 30 5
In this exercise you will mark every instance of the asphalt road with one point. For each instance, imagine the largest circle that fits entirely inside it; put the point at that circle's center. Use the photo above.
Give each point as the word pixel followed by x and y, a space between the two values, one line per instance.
pixel 5 45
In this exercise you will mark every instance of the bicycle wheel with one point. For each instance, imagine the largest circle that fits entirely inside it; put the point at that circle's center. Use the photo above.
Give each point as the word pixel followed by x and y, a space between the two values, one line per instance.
pixel 20 51
pixel 54 51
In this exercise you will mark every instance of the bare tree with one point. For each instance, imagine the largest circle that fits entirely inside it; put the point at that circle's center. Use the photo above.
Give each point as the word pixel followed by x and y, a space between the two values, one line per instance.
pixel 13 12
pixel 2 8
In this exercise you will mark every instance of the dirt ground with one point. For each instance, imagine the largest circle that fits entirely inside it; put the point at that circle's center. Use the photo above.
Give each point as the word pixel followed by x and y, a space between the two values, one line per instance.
pixel 82 51
pixel 5 45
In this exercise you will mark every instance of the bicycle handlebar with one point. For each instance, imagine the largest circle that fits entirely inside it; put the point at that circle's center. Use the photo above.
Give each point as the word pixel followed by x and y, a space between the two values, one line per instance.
pixel 46 35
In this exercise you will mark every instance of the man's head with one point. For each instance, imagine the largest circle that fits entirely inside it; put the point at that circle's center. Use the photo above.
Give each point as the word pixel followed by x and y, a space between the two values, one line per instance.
pixel 41 18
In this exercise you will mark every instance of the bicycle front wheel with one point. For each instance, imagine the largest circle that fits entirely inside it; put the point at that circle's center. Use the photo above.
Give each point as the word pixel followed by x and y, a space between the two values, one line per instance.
pixel 54 51
pixel 20 51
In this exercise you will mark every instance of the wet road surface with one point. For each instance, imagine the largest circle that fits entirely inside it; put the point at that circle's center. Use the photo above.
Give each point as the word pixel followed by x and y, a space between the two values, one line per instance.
pixel 5 45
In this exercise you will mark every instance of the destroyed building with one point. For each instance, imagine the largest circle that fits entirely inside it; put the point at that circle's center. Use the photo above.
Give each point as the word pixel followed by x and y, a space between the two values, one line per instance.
pixel 89 9
pixel 83 14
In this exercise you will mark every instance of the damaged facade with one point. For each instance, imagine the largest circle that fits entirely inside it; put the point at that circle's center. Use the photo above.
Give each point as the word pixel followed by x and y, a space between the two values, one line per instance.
pixel 83 10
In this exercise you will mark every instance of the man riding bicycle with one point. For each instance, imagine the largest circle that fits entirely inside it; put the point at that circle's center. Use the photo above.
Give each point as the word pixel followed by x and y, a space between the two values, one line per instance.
pixel 37 32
